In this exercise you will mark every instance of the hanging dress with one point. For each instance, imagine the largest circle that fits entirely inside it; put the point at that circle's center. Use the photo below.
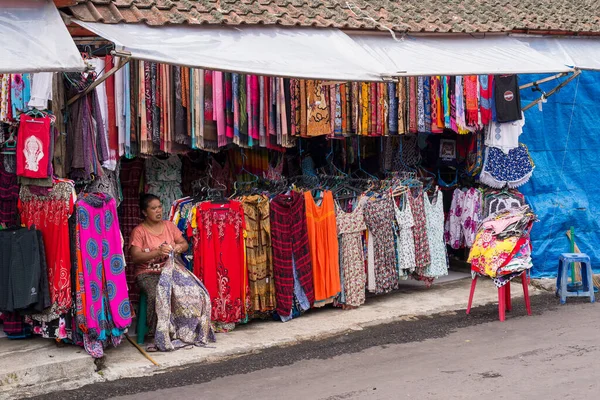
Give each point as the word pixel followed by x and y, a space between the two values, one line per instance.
pixel 163 179
pixel 379 214
pixel 422 252
pixel 406 240
pixel 259 257
pixel 350 227
pixel 50 215
pixel 323 240
pixel 434 211
pixel 292 263
pixel 219 260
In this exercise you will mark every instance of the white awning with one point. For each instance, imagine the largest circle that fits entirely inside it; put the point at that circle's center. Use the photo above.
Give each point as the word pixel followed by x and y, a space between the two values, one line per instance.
pixel 35 39
pixel 580 52
pixel 452 55
pixel 309 53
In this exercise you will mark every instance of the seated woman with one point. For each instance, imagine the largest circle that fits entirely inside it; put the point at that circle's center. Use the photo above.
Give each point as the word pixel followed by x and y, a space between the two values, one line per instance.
pixel 151 243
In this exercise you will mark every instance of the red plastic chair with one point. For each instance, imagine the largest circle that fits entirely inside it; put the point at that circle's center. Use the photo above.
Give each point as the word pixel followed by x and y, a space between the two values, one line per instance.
pixel 504 301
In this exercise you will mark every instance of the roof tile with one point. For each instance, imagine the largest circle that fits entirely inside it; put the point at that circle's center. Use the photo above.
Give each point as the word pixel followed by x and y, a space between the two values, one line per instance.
pixel 406 15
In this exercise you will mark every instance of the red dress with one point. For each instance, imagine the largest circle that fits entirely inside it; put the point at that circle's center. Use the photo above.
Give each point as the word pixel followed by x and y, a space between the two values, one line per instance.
pixel 50 215
pixel 219 259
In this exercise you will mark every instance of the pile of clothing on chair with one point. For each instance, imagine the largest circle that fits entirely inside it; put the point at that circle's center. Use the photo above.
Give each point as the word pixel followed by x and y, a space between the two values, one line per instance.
pixel 502 247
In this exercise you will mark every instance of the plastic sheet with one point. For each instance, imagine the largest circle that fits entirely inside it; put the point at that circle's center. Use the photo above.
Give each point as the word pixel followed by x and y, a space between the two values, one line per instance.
pixel 35 39
pixel 564 191
pixel 287 52
pixel 580 52
pixel 453 55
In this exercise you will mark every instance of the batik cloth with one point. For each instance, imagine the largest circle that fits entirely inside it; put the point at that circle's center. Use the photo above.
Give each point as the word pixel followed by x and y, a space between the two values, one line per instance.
pixel 183 309
pixel 103 263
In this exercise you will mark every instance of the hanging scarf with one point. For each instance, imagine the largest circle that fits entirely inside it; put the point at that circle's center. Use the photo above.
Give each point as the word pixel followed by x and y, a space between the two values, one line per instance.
pixel 344 107
pixel 412 105
pixel 210 141
pixel 235 83
pixel 471 97
pixel 393 109
pixel 452 92
pixel 373 109
pixel 486 83
pixel 318 110
pixel 286 141
pixel 436 101
pixel 255 108
pixel 243 100
pixel 355 102
pixel 427 104
pixel 219 107
pixel 364 108
pixel 338 120
pixel 402 95
pixel 446 101
pixel 461 122
pixel 303 109
pixel 379 110
pixel 420 105
pixel 228 106
pixel 262 135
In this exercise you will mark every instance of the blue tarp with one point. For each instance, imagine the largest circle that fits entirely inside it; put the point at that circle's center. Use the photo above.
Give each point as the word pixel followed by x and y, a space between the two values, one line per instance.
pixel 564 142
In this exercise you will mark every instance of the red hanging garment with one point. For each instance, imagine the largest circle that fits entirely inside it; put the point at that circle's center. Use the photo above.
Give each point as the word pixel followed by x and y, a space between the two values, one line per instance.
pixel 219 259
pixel 33 147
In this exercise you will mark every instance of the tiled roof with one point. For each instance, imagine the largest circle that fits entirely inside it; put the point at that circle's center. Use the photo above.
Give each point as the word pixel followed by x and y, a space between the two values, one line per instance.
pixel 400 15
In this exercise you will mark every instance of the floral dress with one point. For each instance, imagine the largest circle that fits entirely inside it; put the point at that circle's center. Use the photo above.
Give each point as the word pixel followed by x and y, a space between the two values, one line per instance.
pixel 163 178
pixel 350 227
pixel 422 252
pixel 379 216
pixel 435 234
pixel 405 250
pixel 453 229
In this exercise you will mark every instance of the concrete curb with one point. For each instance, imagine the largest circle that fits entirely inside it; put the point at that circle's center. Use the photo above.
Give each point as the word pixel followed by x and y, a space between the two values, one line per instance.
pixel 70 367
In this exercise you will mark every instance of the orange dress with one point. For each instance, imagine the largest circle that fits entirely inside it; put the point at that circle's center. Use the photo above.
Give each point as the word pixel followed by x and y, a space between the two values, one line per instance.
pixel 323 240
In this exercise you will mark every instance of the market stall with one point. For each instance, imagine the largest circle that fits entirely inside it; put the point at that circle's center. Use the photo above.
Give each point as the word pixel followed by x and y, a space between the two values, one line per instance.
pixel 313 176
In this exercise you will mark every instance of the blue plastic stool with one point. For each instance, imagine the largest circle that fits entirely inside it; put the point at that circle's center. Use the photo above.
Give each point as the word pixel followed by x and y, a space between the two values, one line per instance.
pixel 587 276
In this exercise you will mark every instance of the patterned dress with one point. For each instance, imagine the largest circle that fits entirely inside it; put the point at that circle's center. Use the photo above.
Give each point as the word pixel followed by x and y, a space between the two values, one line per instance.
pixel 422 252
pixel 219 260
pixel 435 233
pixel 350 226
pixel 163 179
pixel 379 217
pixel 259 255
pixel 406 241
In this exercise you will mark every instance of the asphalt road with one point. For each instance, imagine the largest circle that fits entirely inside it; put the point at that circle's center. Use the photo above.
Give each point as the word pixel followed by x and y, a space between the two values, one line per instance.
pixel 550 355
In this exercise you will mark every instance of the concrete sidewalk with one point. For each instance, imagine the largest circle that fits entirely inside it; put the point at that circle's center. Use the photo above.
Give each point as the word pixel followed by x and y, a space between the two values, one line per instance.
pixel 38 366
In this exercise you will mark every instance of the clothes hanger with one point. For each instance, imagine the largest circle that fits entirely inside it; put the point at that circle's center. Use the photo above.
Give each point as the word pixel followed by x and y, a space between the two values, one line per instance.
pixel 243 170
pixel 360 168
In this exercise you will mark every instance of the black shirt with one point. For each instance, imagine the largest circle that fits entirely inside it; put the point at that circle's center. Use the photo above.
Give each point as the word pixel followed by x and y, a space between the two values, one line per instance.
pixel 507 98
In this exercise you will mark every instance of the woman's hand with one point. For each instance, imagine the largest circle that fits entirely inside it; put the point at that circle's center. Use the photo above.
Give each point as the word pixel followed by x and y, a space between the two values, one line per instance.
pixel 165 249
